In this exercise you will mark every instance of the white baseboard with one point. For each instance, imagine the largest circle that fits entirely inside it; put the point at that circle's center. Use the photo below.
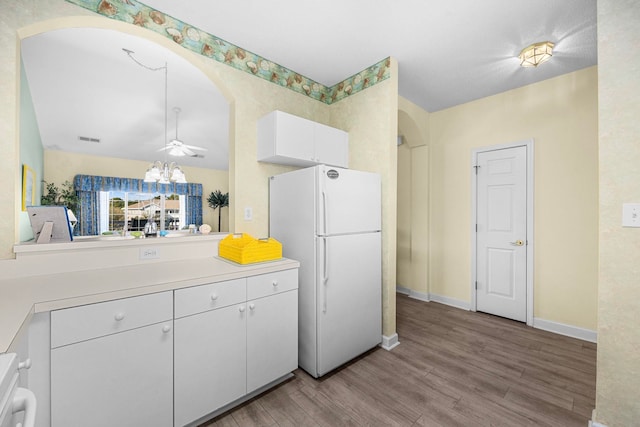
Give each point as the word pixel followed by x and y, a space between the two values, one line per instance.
pixel 433 297
pixel 464 305
pixel 413 294
pixel 595 424
pixel 389 343
pixel 564 329
pixel 546 325
pixel 402 290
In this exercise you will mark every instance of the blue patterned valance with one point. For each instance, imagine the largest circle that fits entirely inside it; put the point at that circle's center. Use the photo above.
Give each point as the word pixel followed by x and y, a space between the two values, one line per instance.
pixel 110 183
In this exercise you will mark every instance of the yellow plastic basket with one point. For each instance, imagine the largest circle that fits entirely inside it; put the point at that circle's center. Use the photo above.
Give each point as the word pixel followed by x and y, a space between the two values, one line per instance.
pixel 245 249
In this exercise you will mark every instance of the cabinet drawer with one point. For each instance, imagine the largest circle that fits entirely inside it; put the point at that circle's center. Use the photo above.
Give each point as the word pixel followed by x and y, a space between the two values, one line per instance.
pixel 209 297
pixel 95 320
pixel 271 283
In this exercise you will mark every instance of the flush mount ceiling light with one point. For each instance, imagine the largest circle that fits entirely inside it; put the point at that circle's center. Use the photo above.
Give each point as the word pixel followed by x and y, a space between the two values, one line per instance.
pixel 536 54
pixel 161 172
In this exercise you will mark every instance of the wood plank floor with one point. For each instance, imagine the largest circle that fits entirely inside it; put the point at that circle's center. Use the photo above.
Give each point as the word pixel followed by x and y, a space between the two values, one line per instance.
pixel 452 368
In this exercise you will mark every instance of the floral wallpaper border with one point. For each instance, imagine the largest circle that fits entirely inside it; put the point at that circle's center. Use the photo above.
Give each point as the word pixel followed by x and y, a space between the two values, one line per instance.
pixel 198 41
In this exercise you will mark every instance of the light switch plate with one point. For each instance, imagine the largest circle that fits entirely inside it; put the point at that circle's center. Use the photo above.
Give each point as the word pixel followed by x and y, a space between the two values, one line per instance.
pixel 631 215
pixel 248 214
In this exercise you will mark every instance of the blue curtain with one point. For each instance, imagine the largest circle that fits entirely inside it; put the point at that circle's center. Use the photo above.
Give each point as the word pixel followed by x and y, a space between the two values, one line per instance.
pixel 88 187
pixel 88 217
pixel 194 210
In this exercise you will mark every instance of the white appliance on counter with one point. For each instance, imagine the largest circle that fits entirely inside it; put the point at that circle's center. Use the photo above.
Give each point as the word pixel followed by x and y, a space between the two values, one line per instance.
pixel 329 219
pixel 17 404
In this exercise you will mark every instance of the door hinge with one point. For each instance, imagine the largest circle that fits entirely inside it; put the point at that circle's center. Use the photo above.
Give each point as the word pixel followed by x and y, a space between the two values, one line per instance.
pixel 476 285
pixel 476 228
pixel 476 167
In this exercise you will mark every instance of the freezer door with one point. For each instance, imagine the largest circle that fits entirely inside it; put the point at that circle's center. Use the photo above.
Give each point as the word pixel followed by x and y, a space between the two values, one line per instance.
pixel 349 298
pixel 349 201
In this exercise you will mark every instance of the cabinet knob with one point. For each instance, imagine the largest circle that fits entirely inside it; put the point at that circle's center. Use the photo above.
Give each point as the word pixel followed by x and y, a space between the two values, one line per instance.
pixel 252 306
pixel 241 309
pixel 274 283
pixel 25 365
pixel 119 316
pixel 214 297
pixel 166 328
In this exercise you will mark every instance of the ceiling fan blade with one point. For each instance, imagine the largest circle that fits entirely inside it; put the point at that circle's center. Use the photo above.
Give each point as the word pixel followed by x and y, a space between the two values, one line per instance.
pixel 186 151
pixel 194 147
pixel 168 147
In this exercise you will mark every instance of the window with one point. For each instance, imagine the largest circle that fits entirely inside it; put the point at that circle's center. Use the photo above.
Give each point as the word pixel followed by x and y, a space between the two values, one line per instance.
pixel 98 209
pixel 118 208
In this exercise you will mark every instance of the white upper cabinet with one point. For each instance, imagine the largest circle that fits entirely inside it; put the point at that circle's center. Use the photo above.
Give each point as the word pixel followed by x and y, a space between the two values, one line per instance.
pixel 291 140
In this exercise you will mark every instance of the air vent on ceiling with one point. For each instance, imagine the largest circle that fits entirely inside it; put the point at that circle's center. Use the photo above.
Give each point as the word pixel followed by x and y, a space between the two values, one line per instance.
pixel 88 139
pixel 198 156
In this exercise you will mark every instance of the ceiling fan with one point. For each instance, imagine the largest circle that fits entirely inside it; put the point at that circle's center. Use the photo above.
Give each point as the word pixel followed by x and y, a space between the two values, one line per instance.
pixel 175 147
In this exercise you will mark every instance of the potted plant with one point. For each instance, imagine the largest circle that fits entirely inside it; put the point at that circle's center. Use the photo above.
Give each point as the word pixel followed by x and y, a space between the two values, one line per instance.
pixel 217 200
pixel 64 196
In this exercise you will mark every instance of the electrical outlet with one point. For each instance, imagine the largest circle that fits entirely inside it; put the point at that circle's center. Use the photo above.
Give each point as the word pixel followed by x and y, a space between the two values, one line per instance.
pixel 149 253
pixel 248 214
pixel 631 215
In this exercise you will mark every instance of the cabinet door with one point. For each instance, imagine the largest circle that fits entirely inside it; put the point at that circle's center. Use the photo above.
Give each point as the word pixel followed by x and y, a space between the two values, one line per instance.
pixel 331 146
pixel 286 139
pixel 210 362
pixel 272 338
pixel 124 379
pixel 294 137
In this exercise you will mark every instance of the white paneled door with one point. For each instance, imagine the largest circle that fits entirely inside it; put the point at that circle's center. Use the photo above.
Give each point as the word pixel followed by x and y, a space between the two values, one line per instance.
pixel 501 217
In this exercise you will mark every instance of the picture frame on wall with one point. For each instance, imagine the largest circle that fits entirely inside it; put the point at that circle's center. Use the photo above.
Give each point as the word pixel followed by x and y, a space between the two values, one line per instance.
pixel 28 187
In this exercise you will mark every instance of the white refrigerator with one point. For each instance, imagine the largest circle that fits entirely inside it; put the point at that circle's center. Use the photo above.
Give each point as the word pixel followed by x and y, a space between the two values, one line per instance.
pixel 329 219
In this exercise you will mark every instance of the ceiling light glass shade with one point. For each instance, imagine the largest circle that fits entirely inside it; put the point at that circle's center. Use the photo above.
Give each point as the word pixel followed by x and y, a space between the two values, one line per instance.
pixel 178 176
pixel 165 173
pixel 536 54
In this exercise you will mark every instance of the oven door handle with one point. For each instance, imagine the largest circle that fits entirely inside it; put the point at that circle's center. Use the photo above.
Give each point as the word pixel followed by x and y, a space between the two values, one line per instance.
pixel 25 401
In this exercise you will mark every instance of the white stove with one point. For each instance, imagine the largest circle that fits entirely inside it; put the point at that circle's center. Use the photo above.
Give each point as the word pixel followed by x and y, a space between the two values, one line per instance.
pixel 17 404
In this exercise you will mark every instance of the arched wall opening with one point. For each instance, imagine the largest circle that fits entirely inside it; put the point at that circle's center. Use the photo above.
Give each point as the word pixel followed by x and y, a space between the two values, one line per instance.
pixel 216 180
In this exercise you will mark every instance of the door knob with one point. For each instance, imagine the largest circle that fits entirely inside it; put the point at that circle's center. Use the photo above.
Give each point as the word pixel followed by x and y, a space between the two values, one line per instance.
pixel 517 243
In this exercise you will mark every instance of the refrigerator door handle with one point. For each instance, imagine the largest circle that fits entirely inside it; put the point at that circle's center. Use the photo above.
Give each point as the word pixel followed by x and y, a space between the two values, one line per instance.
pixel 325 273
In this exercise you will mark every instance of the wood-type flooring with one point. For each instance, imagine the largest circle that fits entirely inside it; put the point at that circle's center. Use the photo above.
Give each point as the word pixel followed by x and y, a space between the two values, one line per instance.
pixel 452 368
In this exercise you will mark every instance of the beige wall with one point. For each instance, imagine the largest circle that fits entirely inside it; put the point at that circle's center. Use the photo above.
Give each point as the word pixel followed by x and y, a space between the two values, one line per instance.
pixel 369 116
pixel 74 164
pixel 560 114
pixel 618 379
pixel 413 199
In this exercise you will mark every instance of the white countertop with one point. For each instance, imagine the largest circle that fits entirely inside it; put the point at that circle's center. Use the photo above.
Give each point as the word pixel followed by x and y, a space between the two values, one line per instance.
pixel 21 297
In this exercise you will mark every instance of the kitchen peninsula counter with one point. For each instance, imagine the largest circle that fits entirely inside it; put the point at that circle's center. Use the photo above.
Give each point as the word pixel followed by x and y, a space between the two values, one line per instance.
pixel 178 263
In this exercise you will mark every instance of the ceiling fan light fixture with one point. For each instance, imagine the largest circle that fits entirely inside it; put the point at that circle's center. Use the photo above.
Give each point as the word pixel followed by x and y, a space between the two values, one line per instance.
pixel 162 172
pixel 536 54
pixel 177 175
pixel 153 173
pixel 175 151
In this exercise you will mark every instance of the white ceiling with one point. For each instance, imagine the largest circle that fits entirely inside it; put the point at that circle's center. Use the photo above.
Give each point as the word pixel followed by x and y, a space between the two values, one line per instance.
pixel 449 52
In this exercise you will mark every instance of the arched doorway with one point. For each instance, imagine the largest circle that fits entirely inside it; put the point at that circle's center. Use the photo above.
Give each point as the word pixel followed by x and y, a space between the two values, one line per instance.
pixel 413 208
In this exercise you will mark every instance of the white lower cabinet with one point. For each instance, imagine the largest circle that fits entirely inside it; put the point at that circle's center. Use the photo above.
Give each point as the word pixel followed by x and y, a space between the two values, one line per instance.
pixel 236 347
pixel 172 358
pixel 272 338
pixel 123 379
pixel 210 362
